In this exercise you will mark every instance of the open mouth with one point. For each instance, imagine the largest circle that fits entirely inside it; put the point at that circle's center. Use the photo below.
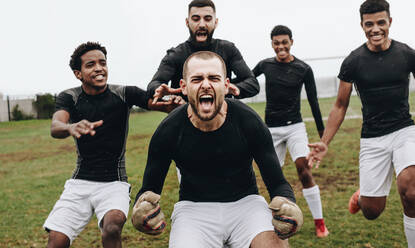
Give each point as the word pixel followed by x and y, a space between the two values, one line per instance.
pixel 99 77
pixel 201 34
pixel 206 102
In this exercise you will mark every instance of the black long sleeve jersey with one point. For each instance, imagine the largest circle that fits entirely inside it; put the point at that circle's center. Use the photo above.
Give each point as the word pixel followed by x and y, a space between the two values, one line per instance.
pixel 382 82
pixel 171 66
pixel 101 157
pixel 215 166
pixel 283 82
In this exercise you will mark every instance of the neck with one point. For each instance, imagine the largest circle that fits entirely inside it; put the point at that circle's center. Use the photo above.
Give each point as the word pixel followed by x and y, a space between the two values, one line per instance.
pixel 286 60
pixel 93 90
pixel 383 47
pixel 211 125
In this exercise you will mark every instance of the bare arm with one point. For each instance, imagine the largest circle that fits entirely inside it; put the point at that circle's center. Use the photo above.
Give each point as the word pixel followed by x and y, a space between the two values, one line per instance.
pixel 60 127
pixel 336 118
pixel 338 111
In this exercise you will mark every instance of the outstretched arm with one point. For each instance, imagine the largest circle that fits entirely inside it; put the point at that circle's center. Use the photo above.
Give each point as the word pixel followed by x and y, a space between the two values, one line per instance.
pixel 336 117
pixel 60 128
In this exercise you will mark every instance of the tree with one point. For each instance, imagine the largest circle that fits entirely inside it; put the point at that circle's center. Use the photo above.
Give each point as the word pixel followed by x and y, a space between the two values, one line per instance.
pixel 18 115
pixel 44 105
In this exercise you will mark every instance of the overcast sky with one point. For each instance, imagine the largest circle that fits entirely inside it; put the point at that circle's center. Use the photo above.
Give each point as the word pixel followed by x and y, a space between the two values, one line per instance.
pixel 38 37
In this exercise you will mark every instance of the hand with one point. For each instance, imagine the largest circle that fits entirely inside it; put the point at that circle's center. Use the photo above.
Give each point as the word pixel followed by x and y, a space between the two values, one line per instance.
pixel 147 216
pixel 167 106
pixel 234 90
pixel 164 90
pixel 83 127
pixel 317 153
pixel 287 217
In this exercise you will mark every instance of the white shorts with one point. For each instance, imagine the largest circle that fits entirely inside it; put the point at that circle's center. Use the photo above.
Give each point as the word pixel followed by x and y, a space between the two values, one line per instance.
pixel 215 224
pixel 380 156
pixel 80 199
pixel 292 136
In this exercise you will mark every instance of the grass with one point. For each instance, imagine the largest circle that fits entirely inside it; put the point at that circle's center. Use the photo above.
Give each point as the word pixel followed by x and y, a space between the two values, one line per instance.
pixel 34 167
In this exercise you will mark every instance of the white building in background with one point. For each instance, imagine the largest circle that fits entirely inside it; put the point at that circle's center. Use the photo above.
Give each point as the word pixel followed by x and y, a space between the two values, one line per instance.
pixel 8 103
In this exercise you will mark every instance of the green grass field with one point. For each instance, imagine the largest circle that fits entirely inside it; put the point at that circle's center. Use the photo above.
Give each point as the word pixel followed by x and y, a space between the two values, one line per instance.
pixel 34 167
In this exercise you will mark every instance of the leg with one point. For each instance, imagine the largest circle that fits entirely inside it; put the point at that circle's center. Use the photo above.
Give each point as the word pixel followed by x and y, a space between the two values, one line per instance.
pixel 111 202
pixel 372 207
pixel 304 173
pixel 58 240
pixel 297 146
pixel 279 141
pixel 375 175
pixel 268 239
pixel 406 188
pixel 112 225
pixel 69 216
pixel 196 224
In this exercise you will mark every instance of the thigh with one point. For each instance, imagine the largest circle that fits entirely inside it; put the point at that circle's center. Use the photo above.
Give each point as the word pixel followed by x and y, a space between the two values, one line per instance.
pixel 245 227
pixel 375 169
pixel 268 239
pixel 72 211
pixel 196 225
pixel 297 141
pixel 111 196
pixel 279 141
pixel 404 149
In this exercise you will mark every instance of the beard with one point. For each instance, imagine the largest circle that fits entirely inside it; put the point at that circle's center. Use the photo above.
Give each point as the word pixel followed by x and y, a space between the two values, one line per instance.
pixel 205 118
pixel 201 44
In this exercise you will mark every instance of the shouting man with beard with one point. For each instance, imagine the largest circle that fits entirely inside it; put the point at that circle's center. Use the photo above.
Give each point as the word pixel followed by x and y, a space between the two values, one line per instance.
pixel 214 141
pixel 201 22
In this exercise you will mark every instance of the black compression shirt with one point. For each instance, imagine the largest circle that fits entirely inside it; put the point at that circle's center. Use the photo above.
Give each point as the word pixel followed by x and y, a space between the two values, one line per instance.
pixel 215 166
pixel 171 66
pixel 382 82
pixel 283 82
pixel 101 157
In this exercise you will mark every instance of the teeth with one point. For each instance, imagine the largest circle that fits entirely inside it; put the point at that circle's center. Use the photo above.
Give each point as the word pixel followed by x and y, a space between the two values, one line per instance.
pixel 206 97
pixel 99 77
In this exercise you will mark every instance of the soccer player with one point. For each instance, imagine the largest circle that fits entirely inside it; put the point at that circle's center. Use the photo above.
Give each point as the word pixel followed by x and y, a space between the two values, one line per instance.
pixel 380 70
pixel 213 141
pixel 285 75
pixel 96 115
pixel 201 22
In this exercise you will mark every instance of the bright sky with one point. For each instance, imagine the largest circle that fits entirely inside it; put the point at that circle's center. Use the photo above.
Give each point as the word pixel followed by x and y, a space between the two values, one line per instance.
pixel 38 37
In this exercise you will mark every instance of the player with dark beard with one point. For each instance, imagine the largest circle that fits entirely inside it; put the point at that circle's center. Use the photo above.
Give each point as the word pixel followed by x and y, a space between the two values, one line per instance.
pixel 201 22
pixel 213 141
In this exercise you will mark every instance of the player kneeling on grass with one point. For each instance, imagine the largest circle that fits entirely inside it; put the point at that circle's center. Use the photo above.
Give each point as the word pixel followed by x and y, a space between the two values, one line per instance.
pixel 213 142
pixel 96 115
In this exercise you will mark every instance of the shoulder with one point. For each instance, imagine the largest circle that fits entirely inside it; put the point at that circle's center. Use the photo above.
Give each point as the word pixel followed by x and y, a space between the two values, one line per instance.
pixel 402 47
pixel 241 111
pixel 266 62
pixel 174 119
pixel 224 43
pixel 177 52
pixel 301 64
pixel 70 94
pixel 118 90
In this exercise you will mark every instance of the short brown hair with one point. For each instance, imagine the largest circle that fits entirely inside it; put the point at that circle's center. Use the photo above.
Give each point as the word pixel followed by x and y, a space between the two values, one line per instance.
pixel 205 55
pixel 202 3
